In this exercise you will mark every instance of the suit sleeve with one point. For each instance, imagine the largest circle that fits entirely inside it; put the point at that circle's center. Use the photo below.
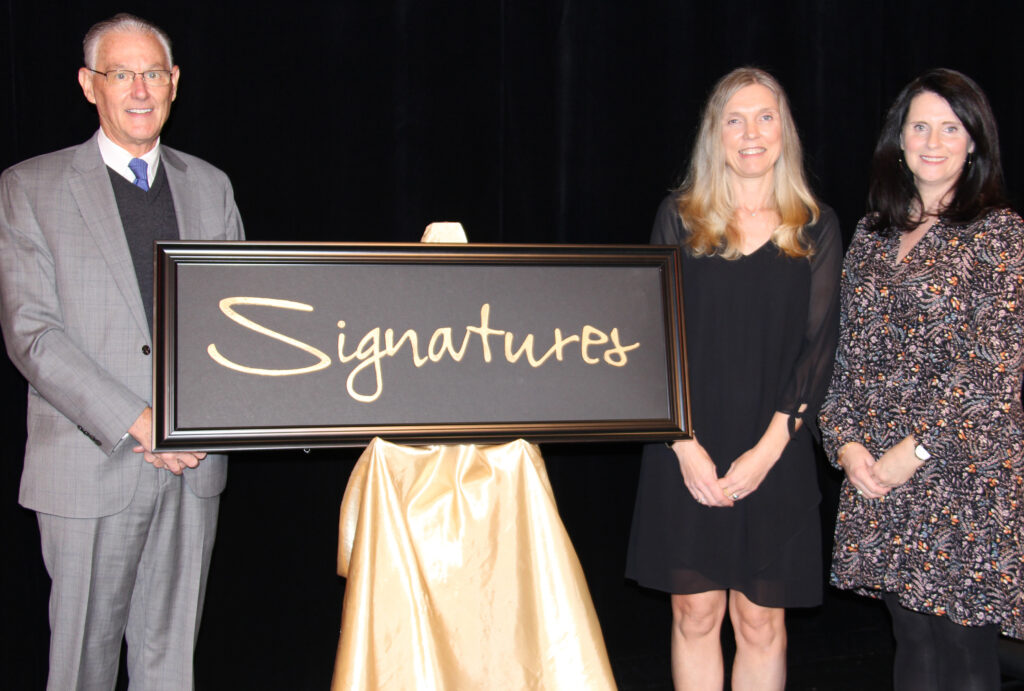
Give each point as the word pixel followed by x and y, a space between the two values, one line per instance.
pixel 33 323
pixel 233 228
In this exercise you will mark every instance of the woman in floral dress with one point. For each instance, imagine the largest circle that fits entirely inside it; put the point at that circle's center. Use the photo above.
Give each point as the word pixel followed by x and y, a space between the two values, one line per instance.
pixel 924 412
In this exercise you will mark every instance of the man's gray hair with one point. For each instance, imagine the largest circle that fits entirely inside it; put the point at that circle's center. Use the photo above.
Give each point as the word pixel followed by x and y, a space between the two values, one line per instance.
pixel 127 23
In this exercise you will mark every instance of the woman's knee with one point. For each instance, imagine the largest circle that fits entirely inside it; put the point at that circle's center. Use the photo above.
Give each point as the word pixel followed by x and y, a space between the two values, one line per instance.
pixel 757 626
pixel 699 614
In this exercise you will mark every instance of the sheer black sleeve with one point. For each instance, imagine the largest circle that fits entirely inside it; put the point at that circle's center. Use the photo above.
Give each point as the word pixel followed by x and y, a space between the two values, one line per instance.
pixel 668 227
pixel 805 390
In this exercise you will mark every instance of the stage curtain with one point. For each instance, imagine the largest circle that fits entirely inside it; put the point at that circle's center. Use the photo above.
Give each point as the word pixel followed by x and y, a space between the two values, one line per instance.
pixel 461 575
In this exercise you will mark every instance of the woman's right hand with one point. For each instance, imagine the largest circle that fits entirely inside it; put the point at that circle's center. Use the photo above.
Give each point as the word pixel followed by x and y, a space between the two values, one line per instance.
pixel 857 462
pixel 699 473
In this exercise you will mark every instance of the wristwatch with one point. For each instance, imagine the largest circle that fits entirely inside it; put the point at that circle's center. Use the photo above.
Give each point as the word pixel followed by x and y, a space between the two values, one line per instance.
pixel 921 453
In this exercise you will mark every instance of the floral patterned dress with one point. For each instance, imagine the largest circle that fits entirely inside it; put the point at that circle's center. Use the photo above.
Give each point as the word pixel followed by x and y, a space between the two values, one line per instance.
pixel 933 346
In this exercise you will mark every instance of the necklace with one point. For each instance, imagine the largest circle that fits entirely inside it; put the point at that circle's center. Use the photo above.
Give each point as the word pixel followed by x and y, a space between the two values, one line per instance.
pixel 753 212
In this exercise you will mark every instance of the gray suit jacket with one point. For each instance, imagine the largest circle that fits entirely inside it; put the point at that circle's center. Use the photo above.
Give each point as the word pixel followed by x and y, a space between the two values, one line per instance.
pixel 74 323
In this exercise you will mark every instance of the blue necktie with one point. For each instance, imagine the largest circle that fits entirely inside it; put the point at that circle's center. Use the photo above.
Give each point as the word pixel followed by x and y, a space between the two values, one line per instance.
pixel 138 167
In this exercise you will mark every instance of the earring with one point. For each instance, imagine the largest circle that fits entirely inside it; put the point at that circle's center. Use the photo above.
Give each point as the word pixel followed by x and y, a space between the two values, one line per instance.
pixel 970 159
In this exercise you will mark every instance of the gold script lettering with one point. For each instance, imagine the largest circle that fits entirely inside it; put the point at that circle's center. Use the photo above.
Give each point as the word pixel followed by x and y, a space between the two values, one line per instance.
pixel 392 348
pixel 441 342
pixel 369 354
pixel 370 351
pixel 227 307
pixel 619 351
pixel 527 347
pixel 484 330
pixel 591 336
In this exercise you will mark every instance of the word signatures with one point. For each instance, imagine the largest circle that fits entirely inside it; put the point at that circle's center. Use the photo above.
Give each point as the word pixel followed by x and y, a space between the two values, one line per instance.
pixel 593 346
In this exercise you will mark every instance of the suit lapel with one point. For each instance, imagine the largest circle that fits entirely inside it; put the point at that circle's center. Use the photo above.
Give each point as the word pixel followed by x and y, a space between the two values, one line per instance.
pixel 90 186
pixel 183 194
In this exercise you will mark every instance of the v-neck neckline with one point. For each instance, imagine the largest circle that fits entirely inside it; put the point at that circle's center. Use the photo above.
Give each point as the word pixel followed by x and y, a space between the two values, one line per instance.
pixel 911 251
pixel 756 250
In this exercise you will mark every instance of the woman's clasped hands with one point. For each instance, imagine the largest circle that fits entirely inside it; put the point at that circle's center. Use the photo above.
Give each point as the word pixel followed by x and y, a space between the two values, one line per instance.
pixel 874 478
pixel 701 477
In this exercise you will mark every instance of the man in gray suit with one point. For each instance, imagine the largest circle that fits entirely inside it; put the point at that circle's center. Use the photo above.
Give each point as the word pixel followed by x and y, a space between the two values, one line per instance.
pixel 126 533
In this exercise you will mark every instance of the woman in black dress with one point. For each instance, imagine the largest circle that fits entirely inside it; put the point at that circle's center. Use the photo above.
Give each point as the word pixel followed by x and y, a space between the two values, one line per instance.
pixel 924 412
pixel 729 519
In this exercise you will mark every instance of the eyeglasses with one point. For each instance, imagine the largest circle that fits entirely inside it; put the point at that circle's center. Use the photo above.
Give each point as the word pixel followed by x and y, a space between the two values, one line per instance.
pixel 127 77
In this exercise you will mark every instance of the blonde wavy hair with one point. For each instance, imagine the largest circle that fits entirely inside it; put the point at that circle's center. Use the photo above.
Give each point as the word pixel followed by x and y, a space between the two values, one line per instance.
pixel 706 203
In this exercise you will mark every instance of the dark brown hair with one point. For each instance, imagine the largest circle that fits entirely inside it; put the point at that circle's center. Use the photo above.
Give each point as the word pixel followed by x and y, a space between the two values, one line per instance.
pixel 892 193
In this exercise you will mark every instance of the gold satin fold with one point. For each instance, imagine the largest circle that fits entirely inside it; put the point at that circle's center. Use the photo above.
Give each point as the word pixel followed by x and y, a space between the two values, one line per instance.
pixel 461 575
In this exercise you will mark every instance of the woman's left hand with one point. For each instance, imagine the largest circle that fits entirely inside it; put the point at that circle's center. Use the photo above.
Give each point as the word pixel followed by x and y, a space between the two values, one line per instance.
pixel 746 473
pixel 898 464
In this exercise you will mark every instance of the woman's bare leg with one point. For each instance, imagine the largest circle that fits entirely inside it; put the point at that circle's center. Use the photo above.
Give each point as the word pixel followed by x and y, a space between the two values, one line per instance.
pixel 696 641
pixel 760 645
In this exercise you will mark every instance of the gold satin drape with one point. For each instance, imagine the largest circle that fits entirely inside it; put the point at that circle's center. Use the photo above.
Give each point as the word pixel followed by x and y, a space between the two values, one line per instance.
pixel 461 575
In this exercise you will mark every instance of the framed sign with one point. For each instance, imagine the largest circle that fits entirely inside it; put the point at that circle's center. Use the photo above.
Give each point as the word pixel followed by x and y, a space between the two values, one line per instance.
pixel 304 345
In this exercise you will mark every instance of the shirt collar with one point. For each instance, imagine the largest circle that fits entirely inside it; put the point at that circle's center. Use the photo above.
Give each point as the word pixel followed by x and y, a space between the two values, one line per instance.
pixel 117 158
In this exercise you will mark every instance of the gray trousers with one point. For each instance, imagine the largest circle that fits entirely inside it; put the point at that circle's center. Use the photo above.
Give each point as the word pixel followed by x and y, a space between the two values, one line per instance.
pixel 140 575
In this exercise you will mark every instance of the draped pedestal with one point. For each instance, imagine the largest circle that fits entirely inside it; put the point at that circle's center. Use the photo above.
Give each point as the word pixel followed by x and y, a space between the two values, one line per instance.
pixel 461 575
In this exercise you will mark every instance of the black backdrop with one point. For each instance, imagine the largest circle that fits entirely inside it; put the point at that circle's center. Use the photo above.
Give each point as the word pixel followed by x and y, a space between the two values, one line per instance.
pixel 527 121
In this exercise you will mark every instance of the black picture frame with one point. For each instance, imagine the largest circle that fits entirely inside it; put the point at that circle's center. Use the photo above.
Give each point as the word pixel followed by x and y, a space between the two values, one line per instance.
pixel 242 404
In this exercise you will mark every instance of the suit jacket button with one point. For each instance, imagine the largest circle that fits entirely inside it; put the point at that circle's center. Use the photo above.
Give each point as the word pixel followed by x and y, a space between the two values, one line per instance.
pixel 145 350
